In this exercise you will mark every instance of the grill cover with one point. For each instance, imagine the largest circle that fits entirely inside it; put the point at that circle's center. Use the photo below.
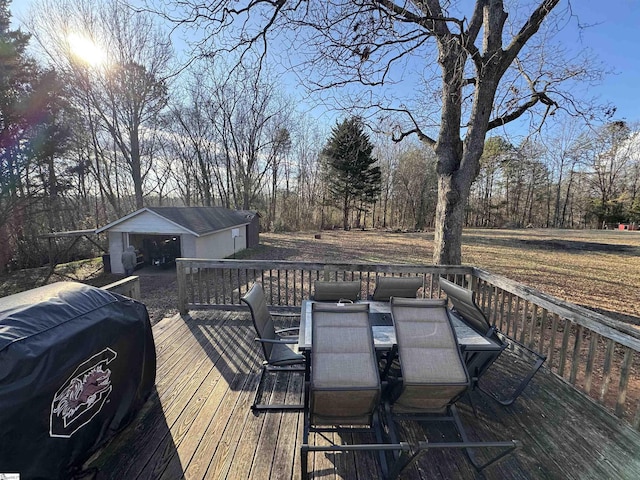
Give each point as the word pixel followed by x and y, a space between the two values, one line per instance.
pixel 76 364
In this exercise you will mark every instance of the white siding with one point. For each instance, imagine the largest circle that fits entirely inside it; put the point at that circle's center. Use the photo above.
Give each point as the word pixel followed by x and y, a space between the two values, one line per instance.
pixel 188 246
pixel 220 244
pixel 116 247
pixel 147 222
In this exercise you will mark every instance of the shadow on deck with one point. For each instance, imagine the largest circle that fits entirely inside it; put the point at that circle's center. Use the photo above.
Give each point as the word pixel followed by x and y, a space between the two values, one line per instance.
pixel 198 424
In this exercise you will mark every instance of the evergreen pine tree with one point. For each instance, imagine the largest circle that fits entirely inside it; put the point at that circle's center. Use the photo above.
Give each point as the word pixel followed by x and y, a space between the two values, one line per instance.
pixel 16 73
pixel 352 176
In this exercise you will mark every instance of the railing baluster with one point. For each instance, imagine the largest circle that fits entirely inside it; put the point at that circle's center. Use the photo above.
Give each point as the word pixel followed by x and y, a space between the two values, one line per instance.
pixel 224 285
pixel 543 322
pixel 192 296
pixel 624 381
pixel 593 344
pixel 501 294
pixel 270 287
pixel 532 325
pixel 552 344
pixel 636 418
pixel 566 333
pixel 575 358
pixel 524 321
pixel 516 316
pixel 286 287
pixel 606 372
pixel 508 317
pixel 491 291
pixel 207 295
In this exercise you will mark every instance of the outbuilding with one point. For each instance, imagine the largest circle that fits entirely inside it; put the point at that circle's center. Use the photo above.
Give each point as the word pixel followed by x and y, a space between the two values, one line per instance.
pixel 161 234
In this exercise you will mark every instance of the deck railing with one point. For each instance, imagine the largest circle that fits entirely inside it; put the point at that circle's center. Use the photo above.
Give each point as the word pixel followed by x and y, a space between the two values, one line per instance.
pixel 597 355
pixel 129 286
pixel 221 283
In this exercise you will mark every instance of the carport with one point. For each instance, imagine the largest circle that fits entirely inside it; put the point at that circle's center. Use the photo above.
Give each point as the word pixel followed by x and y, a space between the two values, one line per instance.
pixel 162 234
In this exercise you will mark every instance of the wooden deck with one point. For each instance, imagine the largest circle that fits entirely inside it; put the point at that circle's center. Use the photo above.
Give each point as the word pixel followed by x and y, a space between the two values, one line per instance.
pixel 198 423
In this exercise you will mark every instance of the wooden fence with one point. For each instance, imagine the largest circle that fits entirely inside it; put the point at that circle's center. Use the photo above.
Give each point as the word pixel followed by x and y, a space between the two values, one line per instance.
pixel 597 355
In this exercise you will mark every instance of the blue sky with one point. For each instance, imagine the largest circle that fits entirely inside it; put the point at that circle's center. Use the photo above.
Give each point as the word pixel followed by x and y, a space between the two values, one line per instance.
pixel 614 38
pixel 612 35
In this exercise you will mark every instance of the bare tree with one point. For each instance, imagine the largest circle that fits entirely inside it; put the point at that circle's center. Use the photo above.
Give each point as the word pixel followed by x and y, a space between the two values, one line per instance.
pixel 194 143
pixel 414 181
pixel 125 92
pixel 611 151
pixel 488 76
pixel 249 115
pixel 565 144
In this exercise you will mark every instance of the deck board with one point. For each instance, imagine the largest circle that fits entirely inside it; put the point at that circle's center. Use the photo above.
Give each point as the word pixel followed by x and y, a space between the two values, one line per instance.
pixel 198 424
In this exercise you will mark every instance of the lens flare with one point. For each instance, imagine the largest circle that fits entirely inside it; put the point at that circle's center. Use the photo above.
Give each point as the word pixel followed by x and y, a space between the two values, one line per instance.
pixel 85 49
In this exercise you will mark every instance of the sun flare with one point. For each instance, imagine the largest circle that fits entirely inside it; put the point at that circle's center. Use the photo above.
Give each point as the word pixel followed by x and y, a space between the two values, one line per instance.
pixel 86 50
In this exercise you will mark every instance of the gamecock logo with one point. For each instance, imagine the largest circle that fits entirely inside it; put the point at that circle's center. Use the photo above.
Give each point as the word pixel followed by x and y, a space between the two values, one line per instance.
pixel 82 396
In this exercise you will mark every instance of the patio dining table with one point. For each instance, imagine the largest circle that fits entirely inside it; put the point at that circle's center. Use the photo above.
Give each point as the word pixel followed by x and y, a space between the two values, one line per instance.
pixel 384 335
pixel 472 344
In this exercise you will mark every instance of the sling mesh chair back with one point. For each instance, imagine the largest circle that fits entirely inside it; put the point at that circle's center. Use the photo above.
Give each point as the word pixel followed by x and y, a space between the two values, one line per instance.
pixel 326 291
pixel 434 375
pixel 278 346
pixel 344 388
pixel 464 306
pixel 387 287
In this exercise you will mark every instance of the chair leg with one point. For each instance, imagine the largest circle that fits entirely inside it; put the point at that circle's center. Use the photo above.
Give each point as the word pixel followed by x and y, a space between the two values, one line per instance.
pixel 377 427
pixel 402 458
pixel 257 396
pixel 304 462
pixel 516 393
pixel 507 447
pixel 256 406
pixel 304 449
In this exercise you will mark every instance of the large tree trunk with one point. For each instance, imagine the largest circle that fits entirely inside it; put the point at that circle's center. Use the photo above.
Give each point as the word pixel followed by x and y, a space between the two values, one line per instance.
pixel 449 218
pixel 449 149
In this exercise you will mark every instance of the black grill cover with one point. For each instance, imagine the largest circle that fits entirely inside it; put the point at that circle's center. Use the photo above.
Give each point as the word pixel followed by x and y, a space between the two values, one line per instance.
pixel 76 364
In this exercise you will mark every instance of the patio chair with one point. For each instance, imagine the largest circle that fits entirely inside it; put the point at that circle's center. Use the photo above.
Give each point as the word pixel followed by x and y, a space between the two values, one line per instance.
pixel 387 287
pixel 278 347
pixel 465 308
pixel 338 291
pixel 343 394
pixel 433 378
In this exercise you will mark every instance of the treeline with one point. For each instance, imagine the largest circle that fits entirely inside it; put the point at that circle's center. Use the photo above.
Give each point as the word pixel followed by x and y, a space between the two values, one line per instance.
pixel 89 134
pixel 570 177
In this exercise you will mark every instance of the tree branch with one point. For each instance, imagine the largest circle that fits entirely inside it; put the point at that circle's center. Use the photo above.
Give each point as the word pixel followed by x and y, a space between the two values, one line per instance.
pixel 398 136
pixel 526 32
pixel 536 97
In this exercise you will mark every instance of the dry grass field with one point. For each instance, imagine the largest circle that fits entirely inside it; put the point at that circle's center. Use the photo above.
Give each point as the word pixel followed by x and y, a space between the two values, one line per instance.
pixel 599 269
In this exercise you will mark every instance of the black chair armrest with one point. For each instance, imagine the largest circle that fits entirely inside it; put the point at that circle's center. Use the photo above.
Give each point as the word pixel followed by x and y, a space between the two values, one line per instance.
pixel 288 330
pixel 285 315
pixel 279 340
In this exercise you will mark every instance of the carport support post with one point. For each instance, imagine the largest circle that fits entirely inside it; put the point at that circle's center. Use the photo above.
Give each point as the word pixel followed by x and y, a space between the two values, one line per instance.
pixel 182 286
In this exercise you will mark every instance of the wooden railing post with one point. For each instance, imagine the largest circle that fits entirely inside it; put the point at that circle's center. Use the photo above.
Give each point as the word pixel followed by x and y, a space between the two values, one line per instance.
pixel 182 287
